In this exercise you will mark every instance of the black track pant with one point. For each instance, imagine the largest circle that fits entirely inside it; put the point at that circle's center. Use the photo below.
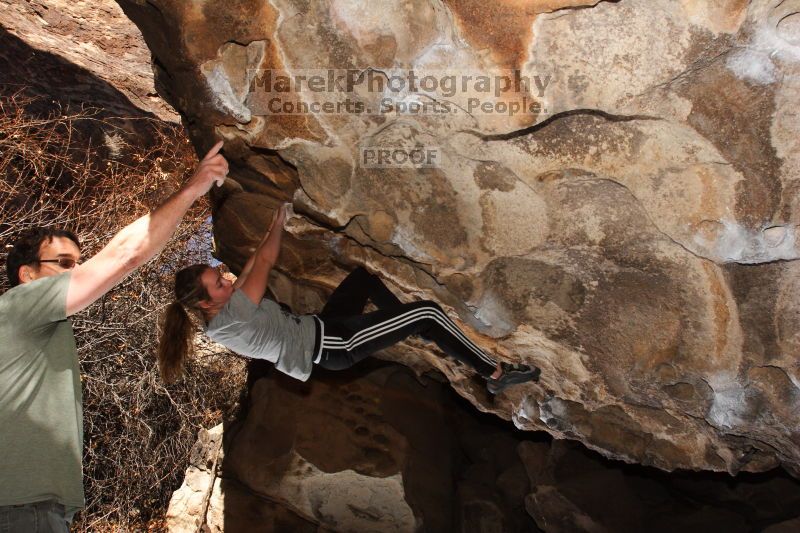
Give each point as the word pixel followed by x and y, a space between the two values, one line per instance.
pixel 349 336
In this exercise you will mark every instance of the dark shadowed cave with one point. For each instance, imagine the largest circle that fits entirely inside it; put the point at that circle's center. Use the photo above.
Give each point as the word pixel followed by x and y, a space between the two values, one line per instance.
pixel 461 470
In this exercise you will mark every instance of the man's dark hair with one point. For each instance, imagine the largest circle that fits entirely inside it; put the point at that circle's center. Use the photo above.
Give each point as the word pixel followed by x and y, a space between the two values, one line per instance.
pixel 26 249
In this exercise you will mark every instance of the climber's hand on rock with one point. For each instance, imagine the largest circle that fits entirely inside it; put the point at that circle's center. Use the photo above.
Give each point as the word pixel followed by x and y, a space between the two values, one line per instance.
pixel 213 169
pixel 279 217
pixel 296 224
pixel 285 207
pixel 289 210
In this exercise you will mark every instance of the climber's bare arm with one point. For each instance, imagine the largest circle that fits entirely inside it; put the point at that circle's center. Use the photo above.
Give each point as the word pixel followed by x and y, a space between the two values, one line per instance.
pixel 256 272
pixel 249 265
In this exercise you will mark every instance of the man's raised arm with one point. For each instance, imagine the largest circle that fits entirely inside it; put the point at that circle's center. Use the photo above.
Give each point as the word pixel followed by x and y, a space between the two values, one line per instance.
pixel 140 241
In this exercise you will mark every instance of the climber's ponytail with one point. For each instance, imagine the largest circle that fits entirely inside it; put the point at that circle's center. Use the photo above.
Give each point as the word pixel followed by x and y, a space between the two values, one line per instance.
pixel 175 337
pixel 174 342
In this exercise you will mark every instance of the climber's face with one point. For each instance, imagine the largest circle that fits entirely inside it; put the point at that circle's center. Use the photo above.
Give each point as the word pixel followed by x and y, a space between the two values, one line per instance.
pixel 217 285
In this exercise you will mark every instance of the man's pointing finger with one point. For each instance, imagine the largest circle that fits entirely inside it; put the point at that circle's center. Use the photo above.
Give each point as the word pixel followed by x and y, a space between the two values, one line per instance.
pixel 214 151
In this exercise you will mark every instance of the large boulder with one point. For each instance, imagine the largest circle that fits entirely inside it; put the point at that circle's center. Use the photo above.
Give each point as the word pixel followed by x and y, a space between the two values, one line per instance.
pixel 635 235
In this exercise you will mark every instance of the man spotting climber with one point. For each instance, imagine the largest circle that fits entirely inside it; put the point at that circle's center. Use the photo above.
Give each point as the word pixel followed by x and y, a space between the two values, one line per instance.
pixel 41 435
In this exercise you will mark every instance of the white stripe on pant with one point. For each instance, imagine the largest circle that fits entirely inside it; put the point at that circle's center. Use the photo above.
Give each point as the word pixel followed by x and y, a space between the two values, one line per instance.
pixel 394 323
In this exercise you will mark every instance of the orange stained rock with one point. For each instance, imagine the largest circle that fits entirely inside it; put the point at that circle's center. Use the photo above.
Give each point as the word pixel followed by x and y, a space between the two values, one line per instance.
pixel 504 26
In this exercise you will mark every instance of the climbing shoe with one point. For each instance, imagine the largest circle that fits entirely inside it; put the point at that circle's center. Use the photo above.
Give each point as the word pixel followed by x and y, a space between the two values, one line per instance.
pixel 512 375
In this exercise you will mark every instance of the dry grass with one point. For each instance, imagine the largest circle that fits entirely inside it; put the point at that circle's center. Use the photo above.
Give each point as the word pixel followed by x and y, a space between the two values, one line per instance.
pixel 78 171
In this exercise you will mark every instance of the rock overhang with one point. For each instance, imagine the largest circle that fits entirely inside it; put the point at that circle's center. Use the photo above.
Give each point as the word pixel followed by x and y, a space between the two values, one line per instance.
pixel 638 240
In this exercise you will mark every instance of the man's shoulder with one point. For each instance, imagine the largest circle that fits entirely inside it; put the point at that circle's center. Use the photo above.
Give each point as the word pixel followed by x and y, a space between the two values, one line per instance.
pixel 32 288
pixel 12 295
pixel 27 301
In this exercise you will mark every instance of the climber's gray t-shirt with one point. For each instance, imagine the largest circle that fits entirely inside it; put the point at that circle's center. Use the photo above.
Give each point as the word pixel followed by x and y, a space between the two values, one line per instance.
pixel 266 331
pixel 41 426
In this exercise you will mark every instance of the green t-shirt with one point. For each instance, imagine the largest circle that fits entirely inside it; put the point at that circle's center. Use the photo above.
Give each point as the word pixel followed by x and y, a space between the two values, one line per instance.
pixel 41 419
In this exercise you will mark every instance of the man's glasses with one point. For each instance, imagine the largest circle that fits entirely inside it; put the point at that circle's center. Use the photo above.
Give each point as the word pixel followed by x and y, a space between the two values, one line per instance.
pixel 63 262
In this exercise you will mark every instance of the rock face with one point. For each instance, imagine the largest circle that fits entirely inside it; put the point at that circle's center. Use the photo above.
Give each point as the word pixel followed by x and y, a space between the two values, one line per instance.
pixel 377 449
pixel 634 234
pixel 59 47
pixel 373 449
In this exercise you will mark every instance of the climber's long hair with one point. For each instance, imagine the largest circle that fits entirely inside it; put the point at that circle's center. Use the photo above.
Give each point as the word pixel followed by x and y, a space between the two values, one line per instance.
pixel 175 338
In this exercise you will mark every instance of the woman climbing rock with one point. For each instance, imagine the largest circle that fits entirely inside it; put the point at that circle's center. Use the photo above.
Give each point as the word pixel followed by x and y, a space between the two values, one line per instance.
pixel 236 315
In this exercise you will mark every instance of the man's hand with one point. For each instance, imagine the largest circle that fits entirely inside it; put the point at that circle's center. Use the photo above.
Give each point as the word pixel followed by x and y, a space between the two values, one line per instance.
pixel 212 169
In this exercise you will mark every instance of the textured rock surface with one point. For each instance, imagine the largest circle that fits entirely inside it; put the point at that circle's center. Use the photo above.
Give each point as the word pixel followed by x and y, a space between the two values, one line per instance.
pixel 637 240
pixel 575 491
pixel 189 505
pixel 95 37
pixel 371 450
pixel 306 456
